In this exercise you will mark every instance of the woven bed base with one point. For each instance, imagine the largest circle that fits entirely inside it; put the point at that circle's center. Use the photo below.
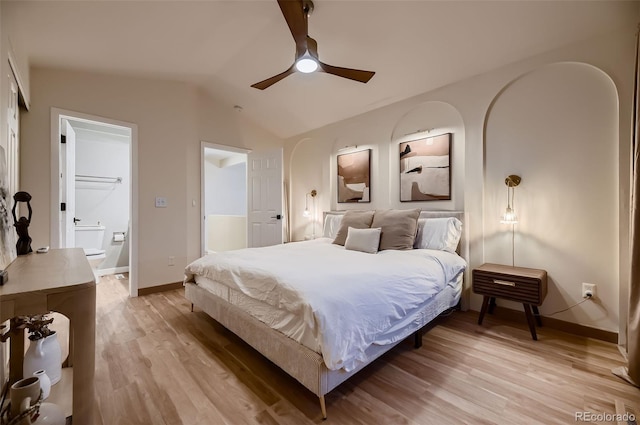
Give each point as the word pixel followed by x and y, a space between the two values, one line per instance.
pixel 303 364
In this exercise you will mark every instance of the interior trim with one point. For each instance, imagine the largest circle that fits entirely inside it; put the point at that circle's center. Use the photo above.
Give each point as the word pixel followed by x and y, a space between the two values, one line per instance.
pixel 160 288
pixel 557 324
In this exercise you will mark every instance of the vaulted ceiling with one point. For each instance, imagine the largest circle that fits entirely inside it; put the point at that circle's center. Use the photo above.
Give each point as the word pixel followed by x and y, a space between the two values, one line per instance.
pixel 225 46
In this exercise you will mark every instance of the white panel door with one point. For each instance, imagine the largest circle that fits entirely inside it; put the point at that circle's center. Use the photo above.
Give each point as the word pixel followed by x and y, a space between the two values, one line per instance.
pixel 13 148
pixel 265 179
pixel 68 187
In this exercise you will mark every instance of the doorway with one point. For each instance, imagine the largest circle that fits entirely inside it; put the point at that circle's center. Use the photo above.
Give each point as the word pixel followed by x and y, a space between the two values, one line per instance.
pixel 254 190
pixel 224 198
pixel 94 191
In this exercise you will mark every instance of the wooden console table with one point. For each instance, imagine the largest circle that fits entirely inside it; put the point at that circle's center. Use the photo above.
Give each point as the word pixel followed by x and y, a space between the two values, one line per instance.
pixel 60 280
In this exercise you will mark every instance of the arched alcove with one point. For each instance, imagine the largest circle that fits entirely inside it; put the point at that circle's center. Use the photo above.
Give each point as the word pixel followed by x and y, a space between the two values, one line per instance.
pixel 557 128
pixel 308 169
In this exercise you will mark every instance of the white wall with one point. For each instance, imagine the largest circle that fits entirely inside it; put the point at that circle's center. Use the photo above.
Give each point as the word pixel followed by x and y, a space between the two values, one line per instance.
pixel 226 188
pixel 172 118
pixel 100 154
pixel 580 111
pixel 557 128
pixel 226 232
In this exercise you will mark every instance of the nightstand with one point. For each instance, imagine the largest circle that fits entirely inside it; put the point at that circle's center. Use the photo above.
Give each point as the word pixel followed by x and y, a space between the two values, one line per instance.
pixel 520 284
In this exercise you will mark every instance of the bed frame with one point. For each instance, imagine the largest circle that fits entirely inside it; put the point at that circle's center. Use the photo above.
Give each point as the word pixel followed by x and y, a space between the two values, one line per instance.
pixel 298 361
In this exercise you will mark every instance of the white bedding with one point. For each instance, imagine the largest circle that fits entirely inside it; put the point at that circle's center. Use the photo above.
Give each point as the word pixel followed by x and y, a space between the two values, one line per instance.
pixel 349 299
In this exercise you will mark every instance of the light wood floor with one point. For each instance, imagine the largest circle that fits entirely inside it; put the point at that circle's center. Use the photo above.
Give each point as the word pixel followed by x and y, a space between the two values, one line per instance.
pixel 158 363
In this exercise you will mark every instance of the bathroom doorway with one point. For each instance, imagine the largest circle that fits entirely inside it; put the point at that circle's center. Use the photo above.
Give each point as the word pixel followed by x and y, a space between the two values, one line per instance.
pixel 94 177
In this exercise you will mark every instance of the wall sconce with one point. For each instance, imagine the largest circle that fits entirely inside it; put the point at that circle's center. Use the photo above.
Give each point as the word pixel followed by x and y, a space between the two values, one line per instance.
pixel 307 212
pixel 510 216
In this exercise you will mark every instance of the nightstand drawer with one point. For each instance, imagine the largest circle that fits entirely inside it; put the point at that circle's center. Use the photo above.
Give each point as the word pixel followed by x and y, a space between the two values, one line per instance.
pixel 512 283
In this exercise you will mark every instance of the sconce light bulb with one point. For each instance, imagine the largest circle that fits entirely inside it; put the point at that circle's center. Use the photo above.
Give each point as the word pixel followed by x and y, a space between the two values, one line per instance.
pixel 306 213
pixel 509 216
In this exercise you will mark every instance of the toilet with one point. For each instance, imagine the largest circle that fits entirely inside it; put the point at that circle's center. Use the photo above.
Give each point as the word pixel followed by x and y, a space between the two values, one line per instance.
pixel 90 238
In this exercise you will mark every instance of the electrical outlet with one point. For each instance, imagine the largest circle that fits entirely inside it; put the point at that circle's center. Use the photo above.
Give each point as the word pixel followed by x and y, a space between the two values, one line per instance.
pixel 172 261
pixel 588 289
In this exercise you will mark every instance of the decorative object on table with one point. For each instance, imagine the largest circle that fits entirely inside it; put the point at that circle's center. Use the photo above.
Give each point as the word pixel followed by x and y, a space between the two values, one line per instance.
pixel 425 169
pixel 23 246
pixel 44 350
pixel 510 216
pixel 26 406
pixel 23 394
pixel 7 248
pixel 354 177
pixel 45 382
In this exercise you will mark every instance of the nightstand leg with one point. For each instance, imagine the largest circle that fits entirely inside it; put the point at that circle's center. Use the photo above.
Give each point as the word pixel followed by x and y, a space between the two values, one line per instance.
pixel 530 320
pixel 492 304
pixel 483 310
pixel 536 314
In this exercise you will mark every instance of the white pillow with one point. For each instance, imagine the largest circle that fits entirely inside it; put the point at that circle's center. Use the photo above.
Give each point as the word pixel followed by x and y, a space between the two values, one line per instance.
pixel 438 233
pixel 331 225
pixel 365 240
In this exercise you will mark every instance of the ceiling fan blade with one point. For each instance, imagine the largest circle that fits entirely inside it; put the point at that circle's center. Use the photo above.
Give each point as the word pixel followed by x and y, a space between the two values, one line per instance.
pixel 352 74
pixel 296 17
pixel 271 81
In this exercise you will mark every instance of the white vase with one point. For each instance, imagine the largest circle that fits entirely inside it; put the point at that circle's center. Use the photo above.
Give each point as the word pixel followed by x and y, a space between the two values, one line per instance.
pixel 50 414
pixel 45 354
pixel 45 382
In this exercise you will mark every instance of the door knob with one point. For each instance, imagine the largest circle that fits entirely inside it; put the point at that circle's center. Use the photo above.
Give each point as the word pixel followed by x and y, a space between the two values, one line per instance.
pixel 277 217
pixel 76 220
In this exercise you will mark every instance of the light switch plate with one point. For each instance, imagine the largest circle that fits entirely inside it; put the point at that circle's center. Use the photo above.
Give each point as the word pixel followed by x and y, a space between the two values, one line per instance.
pixel 161 202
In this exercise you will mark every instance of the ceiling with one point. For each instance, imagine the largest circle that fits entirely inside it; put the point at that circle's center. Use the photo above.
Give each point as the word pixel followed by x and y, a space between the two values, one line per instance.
pixel 225 46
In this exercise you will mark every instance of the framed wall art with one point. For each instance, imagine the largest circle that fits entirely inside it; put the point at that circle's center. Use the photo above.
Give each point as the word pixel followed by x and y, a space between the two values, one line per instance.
pixel 354 176
pixel 425 169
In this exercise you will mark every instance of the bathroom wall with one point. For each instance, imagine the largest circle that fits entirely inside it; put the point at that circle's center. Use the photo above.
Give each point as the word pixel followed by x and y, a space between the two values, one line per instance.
pixel 228 183
pixel 225 182
pixel 104 154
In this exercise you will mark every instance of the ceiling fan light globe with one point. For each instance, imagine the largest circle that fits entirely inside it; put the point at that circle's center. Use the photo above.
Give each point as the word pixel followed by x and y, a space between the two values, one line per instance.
pixel 306 65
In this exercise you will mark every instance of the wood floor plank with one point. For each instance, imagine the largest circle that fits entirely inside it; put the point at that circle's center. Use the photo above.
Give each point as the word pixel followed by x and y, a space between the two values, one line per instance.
pixel 159 363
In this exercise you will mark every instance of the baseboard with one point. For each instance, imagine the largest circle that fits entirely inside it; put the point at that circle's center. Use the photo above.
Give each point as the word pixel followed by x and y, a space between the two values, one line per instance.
pixel 160 288
pixel 113 270
pixel 560 325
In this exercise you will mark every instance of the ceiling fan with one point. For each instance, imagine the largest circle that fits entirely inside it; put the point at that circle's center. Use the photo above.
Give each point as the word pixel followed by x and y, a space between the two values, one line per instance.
pixel 296 13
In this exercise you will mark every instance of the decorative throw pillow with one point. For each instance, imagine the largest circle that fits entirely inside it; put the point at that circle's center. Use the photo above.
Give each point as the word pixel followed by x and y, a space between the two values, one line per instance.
pixel 331 225
pixel 438 233
pixel 399 228
pixel 355 219
pixel 365 240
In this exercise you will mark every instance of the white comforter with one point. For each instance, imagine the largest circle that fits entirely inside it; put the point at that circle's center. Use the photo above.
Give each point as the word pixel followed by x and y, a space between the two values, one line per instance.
pixel 347 297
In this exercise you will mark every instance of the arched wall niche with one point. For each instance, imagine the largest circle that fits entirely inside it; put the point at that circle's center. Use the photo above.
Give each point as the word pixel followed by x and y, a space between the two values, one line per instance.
pixel 557 128
pixel 304 179
pixel 429 119
pixel 346 145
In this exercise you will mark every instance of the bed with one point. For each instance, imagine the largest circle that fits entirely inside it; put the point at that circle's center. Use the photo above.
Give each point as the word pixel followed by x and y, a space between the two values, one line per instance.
pixel 322 310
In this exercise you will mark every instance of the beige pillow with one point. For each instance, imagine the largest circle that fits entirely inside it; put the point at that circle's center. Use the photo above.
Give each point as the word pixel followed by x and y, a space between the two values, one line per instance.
pixel 355 219
pixel 399 228
pixel 365 240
